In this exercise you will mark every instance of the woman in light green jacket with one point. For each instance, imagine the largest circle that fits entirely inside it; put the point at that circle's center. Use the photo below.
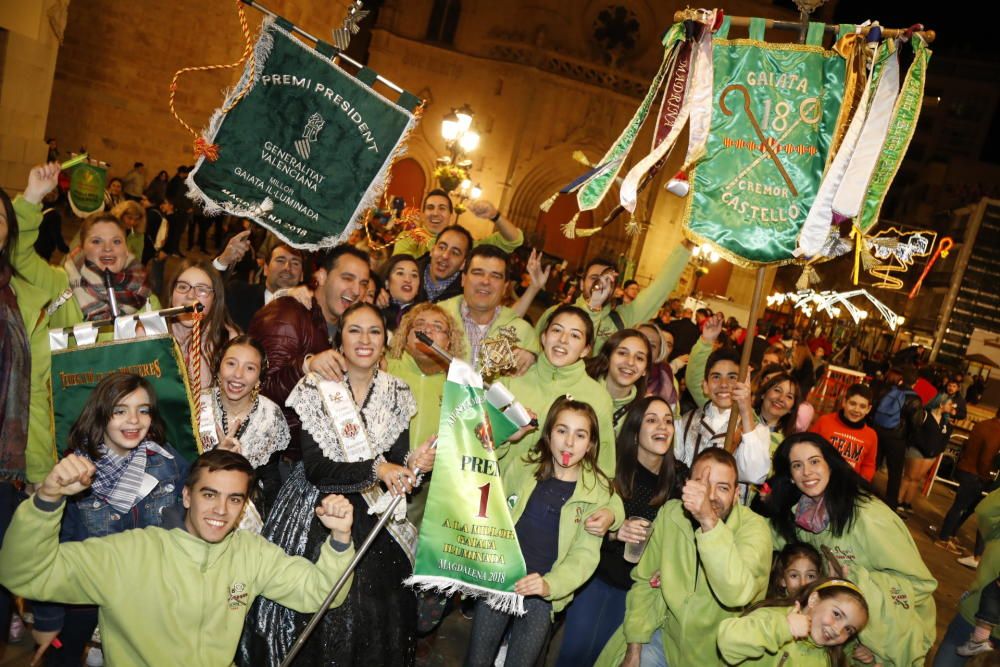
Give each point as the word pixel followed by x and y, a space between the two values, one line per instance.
pixel 51 296
pixel 621 366
pixel 425 373
pixel 550 493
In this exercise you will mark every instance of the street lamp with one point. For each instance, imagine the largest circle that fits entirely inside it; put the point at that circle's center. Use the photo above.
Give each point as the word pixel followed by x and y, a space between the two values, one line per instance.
pixel 459 137
pixel 466 191
pixel 704 255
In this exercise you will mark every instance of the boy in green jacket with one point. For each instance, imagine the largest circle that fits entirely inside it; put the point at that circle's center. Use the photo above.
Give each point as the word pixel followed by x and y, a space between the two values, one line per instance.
pixel 170 597
pixel 713 556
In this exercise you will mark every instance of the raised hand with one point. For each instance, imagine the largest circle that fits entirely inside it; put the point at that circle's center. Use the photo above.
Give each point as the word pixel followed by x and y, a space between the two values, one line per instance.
pixel 69 477
pixel 698 502
pixel 604 286
pixel 482 209
pixel 235 249
pixel 798 623
pixel 42 180
pixel 336 514
pixel 538 275
pixel 713 327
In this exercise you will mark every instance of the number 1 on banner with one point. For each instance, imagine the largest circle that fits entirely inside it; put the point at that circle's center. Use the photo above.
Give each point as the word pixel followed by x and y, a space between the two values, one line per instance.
pixel 484 496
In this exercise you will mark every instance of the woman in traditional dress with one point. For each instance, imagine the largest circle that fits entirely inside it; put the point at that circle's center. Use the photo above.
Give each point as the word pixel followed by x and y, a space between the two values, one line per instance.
pixel 355 441
pixel 235 416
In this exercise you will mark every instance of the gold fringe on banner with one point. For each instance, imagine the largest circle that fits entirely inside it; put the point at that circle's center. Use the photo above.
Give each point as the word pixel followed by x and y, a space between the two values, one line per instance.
pixel 547 204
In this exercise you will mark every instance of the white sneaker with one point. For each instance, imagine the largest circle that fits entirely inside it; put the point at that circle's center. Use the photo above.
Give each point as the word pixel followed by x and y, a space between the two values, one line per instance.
pixel 95 657
pixel 970 562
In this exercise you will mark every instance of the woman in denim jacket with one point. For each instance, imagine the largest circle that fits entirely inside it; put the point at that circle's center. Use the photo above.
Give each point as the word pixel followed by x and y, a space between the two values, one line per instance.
pixel 138 477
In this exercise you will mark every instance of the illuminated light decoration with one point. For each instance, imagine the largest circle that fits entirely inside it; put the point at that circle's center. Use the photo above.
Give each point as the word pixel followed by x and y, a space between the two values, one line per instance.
pixel 897 251
pixel 809 301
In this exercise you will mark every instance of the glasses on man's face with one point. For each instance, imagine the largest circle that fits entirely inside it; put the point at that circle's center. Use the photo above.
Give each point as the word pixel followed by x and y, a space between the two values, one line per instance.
pixel 200 291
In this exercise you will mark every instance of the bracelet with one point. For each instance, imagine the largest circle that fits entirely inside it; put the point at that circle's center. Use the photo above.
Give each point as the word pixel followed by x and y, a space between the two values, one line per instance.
pixel 495 217
pixel 379 460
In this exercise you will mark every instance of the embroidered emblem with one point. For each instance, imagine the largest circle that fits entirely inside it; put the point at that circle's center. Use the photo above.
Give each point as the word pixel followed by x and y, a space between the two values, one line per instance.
pixel 484 432
pixel 899 597
pixel 579 515
pixel 238 595
pixel 351 429
pixel 512 500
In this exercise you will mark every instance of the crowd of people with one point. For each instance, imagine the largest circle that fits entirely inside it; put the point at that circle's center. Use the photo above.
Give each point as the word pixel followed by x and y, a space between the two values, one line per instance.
pixel 652 531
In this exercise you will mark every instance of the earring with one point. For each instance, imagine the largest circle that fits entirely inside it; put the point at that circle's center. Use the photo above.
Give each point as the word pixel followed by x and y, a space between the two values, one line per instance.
pixel 255 392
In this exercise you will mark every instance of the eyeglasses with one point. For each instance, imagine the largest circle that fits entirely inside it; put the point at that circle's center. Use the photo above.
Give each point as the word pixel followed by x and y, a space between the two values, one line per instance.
pixel 199 290
pixel 430 327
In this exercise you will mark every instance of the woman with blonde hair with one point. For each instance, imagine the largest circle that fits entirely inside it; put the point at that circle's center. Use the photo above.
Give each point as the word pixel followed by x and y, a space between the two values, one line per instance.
pixel 425 372
pixel 133 218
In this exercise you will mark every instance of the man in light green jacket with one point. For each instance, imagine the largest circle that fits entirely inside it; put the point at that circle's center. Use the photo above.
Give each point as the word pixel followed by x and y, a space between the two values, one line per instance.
pixel 596 288
pixel 479 313
pixel 171 597
pixel 436 216
pixel 706 559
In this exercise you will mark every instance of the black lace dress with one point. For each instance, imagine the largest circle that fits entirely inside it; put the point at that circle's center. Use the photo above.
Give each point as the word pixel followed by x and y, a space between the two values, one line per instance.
pixel 376 625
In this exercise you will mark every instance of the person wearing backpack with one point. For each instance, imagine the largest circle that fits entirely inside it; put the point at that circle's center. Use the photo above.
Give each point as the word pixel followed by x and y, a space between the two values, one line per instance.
pixel 933 437
pixel 897 420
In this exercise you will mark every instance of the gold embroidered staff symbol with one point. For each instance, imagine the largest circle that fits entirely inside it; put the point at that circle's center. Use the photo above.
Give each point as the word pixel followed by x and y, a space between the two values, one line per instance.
pixel 496 354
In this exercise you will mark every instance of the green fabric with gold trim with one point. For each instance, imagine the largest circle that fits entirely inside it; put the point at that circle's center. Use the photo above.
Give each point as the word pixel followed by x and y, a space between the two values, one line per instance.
pixel 76 371
pixel 307 151
pixel 741 199
pixel 86 188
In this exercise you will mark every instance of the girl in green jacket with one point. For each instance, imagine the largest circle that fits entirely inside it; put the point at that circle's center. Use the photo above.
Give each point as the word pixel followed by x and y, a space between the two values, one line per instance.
pixel 550 492
pixel 621 366
pixel 805 631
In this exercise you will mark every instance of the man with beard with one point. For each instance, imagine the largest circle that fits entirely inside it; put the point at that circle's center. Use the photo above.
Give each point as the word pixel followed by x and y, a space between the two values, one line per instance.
pixel 283 270
pixel 479 311
pixel 707 558
pixel 597 286
pixel 297 339
pixel 436 216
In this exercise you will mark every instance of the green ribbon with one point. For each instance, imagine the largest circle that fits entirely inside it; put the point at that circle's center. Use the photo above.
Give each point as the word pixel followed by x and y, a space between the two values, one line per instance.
pixel 593 191
pixel 901 128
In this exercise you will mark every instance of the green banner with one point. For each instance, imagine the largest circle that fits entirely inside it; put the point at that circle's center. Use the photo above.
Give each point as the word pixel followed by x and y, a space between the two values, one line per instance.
pixel 76 371
pixel 467 541
pixel 306 152
pixel 86 189
pixel 773 117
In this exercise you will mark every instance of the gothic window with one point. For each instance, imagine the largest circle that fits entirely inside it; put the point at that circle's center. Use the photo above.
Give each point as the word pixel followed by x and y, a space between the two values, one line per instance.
pixel 444 21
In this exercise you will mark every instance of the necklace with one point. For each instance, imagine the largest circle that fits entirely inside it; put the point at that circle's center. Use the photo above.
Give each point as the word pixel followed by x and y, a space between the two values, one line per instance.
pixel 224 415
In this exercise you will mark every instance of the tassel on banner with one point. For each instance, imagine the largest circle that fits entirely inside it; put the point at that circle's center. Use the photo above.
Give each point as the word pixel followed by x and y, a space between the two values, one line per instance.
pixel 547 204
pixel 569 228
pixel 810 276
pixel 584 233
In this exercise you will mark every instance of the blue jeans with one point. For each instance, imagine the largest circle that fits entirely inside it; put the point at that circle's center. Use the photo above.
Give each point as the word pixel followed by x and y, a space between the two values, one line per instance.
pixel 597 610
pixel 653 654
pixel 958 633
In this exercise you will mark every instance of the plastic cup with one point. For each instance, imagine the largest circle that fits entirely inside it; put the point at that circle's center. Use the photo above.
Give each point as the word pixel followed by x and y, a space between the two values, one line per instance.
pixel 633 552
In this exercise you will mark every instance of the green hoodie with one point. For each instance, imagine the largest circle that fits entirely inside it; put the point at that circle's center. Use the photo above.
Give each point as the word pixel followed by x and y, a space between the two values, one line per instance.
pixel 36 284
pixel 762 638
pixel 705 578
pixel 427 390
pixel 988 515
pixel 579 551
pixel 879 555
pixel 538 389
pixel 506 318
pixel 166 597
pixel 642 308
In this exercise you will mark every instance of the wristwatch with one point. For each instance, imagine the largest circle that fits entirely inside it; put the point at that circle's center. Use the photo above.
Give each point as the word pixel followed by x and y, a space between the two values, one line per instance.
pixel 495 217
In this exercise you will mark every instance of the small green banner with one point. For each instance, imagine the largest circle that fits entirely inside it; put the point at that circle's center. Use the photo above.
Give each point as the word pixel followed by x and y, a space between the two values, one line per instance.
pixel 467 540
pixel 774 112
pixel 307 150
pixel 86 189
pixel 76 371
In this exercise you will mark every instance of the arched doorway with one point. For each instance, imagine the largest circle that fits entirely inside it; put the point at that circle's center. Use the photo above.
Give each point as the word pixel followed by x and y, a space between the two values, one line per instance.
pixel 407 180
pixel 554 241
